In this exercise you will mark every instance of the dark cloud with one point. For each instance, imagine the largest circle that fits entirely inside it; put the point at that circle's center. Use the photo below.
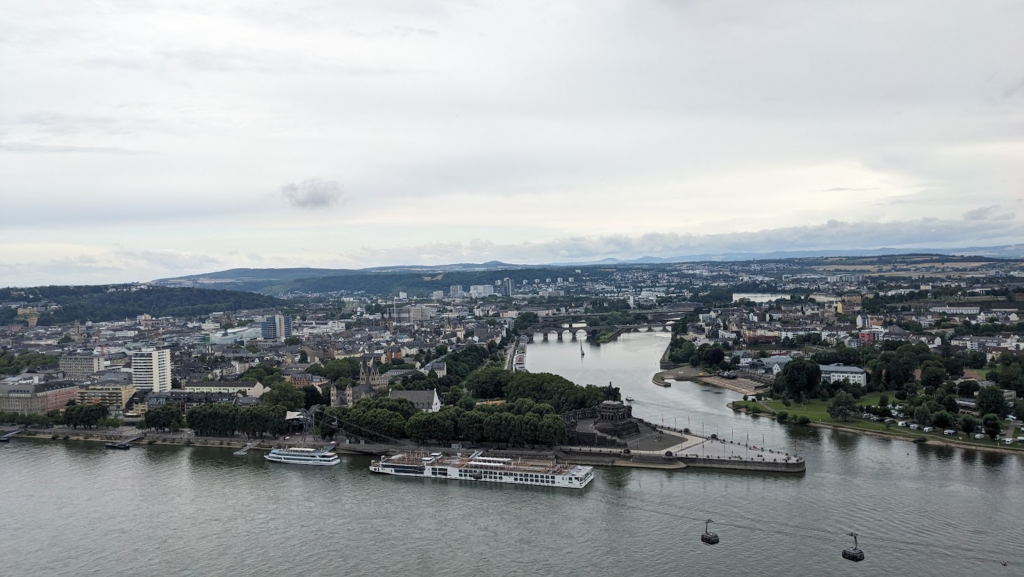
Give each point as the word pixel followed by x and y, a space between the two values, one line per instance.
pixel 313 193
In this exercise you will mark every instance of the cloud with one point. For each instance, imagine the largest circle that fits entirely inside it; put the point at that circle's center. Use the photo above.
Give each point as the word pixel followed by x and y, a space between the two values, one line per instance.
pixel 993 212
pixel 846 189
pixel 833 235
pixel 32 148
pixel 312 194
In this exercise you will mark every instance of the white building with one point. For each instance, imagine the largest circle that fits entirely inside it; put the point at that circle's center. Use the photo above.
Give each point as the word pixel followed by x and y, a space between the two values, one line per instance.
pixel 838 372
pixel 246 388
pixel 426 401
pixel 151 370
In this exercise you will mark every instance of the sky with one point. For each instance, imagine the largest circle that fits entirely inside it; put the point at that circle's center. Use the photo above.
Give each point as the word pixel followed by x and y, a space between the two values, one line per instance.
pixel 142 140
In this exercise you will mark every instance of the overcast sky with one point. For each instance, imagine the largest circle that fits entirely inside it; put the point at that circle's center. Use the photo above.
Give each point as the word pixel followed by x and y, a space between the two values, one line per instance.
pixel 142 140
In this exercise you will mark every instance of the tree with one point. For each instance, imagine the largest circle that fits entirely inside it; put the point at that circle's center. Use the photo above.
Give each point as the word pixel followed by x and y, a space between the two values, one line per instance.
pixel 303 357
pixel 883 401
pixel 968 424
pixel 932 374
pixel 990 423
pixel 285 395
pixel 312 396
pixel 488 382
pixel 842 406
pixel 800 379
pixel 164 418
pixel 417 427
pixel 292 341
pixel 966 389
pixel 991 400
pixel 923 416
pixel 942 419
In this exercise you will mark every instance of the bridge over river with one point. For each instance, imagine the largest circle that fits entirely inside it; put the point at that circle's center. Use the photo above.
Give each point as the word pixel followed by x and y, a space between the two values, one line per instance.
pixel 593 332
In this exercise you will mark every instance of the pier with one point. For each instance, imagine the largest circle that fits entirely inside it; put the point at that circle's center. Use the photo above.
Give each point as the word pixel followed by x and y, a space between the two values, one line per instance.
pixel 245 450
pixel 7 437
pixel 126 444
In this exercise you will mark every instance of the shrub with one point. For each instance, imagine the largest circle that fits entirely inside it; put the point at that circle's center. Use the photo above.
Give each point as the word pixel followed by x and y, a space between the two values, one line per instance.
pixel 745 398
pixel 921 439
pixel 786 402
pixel 803 420
pixel 686 430
pixel 754 409
pixel 782 416
pixel 66 437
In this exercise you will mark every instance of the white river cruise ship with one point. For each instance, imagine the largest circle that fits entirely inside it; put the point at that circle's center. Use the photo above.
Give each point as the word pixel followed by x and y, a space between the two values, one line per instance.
pixel 303 456
pixel 477 467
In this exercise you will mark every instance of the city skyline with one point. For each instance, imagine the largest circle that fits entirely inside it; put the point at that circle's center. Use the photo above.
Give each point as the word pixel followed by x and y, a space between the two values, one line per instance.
pixel 140 142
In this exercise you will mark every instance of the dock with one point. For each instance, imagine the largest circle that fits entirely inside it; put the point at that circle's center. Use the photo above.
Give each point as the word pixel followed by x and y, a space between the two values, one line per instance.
pixel 126 444
pixel 245 450
pixel 7 437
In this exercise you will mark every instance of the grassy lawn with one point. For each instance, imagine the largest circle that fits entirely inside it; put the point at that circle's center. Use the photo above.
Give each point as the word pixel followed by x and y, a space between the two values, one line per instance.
pixel 817 411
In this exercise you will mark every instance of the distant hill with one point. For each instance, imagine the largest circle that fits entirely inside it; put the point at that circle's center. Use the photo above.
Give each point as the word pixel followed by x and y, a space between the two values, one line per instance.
pixel 116 302
pixel 1005 252
pixel 420 281
pixel 415 280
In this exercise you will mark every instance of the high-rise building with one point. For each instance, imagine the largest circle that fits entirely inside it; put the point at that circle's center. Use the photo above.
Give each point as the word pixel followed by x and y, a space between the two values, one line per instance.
pixel 80 366
pixel 508 286
pixel 481 290
pixel 276 328
pixel 151 370
pixel 455 290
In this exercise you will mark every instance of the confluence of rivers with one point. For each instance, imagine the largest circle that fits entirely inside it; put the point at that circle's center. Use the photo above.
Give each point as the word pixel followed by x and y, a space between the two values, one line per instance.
pixel 74 508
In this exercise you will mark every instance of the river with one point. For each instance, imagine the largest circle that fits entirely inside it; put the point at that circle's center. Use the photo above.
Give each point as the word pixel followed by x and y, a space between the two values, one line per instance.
pixel 75 508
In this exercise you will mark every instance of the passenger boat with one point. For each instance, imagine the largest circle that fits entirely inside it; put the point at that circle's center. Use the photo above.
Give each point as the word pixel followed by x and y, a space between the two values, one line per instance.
pixel 477 467
pixel 630 399
pixel 303 456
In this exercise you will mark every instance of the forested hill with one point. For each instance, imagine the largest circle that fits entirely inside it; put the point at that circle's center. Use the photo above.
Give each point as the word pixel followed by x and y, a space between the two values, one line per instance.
pixel 115 302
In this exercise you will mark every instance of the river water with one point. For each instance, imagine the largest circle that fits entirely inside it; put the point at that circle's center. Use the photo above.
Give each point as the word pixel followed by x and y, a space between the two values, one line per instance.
pixel 76 508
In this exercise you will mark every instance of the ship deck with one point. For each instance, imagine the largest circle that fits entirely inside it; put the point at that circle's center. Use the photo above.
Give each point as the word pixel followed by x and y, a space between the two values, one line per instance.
pixel 478 462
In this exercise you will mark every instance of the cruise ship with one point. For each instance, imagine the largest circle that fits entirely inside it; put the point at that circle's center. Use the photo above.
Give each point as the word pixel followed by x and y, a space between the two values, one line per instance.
pixel 303 456
pixel 477 467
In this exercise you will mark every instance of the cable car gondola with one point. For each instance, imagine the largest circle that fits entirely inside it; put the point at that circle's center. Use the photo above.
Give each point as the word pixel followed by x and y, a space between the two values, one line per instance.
pixel 709 538
pixel 853 553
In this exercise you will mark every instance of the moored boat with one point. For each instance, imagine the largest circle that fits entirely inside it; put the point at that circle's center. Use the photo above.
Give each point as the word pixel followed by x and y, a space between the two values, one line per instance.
pixel 477 467
pixel 303 456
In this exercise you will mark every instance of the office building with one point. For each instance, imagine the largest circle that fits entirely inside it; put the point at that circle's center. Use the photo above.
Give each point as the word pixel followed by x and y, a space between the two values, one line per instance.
pixel 276 328
pixel 151 370
pixel 81 366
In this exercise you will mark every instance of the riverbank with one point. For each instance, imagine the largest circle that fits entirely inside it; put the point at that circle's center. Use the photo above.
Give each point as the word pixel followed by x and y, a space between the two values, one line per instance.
pixel 577 455
pixel 911 436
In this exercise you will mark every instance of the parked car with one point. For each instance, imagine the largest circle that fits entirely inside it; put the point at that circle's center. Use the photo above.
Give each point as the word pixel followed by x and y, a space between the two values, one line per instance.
pixel 928 429
pixel 1007 441
pixel 915 427
pixel 949 432
pixel 979 436
pixel 902 424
